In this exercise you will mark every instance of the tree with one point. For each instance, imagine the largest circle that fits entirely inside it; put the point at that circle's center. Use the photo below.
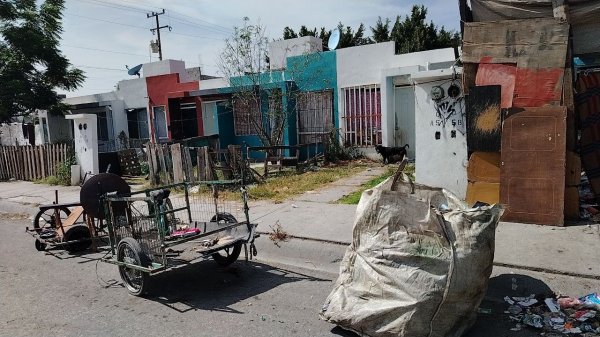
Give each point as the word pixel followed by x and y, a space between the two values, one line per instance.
pixel 348 38
pixel 381 31
pixel 242 63
pixel 31 64
pixel 414 34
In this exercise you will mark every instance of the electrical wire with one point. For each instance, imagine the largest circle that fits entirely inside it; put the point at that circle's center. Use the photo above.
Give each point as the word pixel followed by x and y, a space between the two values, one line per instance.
pixel 107 21
pixel 215 27
pixel 104 50
pixel 102 68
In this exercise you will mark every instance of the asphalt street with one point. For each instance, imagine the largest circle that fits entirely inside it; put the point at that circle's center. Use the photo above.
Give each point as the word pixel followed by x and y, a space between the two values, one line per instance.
pixel 58 294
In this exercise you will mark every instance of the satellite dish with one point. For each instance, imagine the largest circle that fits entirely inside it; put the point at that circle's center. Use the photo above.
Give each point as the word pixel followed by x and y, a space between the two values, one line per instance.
pixel 135 70
pixel 334 39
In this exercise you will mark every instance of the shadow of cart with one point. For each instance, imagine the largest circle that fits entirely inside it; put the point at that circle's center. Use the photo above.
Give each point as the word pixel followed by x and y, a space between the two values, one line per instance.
pixel 206 286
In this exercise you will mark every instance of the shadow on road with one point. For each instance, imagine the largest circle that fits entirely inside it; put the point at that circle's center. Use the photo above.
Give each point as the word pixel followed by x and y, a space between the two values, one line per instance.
pixel 497 323
pixel 205 286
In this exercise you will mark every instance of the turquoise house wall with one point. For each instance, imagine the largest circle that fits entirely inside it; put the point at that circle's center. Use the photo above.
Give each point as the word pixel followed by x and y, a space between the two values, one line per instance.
pixel 313 72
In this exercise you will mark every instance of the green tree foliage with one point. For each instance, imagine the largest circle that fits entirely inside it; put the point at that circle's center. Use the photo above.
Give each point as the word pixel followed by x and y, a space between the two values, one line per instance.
pixel 348 37
pixel 381 31
pixel 31 65
pixel 414 34
pixel 411 34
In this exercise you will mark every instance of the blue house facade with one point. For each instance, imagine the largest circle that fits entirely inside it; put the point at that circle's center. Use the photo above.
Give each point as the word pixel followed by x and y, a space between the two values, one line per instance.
pixel 305 91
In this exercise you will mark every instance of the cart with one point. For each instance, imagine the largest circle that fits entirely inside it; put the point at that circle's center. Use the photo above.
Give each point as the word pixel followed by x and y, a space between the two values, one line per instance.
pixel 76 226
pixel 158 229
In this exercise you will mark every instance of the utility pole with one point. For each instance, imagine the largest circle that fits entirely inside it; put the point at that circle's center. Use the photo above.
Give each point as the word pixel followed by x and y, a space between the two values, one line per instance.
pixel 157 30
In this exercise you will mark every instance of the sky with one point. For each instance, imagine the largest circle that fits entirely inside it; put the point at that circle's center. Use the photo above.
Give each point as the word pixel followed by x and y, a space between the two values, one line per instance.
pixel 101 37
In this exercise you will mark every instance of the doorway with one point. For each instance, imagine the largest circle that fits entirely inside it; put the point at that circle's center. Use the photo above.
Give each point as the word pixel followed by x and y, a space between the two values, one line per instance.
pixel 404 128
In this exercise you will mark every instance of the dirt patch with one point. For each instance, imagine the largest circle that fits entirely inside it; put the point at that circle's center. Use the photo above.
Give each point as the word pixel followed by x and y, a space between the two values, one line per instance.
pixel 489 120
pixel 14 216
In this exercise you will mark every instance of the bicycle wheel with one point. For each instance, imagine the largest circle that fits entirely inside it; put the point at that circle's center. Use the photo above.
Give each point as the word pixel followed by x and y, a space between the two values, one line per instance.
pixel 129 251
pixel 46 219
pixel 228 255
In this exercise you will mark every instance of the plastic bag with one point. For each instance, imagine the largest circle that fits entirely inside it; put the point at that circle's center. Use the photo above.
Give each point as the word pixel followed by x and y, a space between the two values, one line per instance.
pixel 411 269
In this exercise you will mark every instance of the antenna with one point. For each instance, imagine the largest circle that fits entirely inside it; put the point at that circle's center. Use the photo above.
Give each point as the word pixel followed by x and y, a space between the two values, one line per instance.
pixel 334 39
pixel 135 70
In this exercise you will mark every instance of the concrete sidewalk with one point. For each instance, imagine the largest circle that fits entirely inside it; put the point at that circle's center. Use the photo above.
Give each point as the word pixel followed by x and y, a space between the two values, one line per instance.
pixel 314 215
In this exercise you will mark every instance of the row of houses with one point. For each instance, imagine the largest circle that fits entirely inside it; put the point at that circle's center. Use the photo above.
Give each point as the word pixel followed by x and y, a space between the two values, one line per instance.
pixel 370 94
pixel 512 124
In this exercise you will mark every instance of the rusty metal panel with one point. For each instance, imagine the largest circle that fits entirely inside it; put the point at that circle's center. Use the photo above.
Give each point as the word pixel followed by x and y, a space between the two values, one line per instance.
pixel 532 174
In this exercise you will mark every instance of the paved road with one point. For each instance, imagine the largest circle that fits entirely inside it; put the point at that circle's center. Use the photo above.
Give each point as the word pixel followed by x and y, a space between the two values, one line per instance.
pixel 66 295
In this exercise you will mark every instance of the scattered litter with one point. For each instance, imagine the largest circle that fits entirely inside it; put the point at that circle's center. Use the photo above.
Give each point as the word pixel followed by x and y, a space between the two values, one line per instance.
pixel 528 302
pixel 514 309
pixel 562 316
pixel 294 206
pixel 533 320
pixel 484 311
pixel 552 305
pixel 591 301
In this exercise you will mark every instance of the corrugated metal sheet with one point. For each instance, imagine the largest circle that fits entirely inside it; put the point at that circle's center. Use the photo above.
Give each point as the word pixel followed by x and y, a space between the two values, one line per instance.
pixel 533 166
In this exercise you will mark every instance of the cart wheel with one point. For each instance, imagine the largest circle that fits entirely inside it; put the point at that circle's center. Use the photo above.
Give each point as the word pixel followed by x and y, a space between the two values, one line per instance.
pixel 228 255
pixel 78 232
pixel 45 219
pixel 39 245
pixel 129 251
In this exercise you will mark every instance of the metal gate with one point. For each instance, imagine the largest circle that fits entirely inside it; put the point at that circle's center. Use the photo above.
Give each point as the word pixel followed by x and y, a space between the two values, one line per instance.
pixel 315 115
pixel 362 115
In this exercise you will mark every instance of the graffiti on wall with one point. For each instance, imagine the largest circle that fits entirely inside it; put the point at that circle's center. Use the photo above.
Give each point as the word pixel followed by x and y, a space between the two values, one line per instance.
pixel 448 103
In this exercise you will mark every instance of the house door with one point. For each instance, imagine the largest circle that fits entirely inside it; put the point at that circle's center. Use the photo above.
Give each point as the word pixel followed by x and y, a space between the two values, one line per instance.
pixel 210 118
pixel 404 132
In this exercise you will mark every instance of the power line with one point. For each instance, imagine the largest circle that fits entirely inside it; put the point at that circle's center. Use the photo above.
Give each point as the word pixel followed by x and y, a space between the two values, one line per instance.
pixel 208 24
pixel 197 36
pixel 104 50
pixel 101 68
pixel 188 23
pixel 114 5
pixel 107 21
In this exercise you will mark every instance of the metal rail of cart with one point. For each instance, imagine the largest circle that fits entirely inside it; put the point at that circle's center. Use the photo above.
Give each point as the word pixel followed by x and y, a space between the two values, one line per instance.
pixel 155 230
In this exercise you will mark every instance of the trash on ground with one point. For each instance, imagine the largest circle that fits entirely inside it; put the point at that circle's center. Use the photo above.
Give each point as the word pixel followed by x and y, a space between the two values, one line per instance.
pixel 277 234
pixel 556 316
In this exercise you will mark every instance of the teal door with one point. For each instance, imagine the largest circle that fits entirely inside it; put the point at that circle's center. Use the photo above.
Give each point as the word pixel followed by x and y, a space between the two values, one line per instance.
pixel 210 119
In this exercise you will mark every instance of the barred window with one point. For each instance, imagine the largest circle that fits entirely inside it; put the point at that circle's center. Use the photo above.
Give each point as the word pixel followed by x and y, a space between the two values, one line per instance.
pixel 315 115
pixel 246 116
pixel 361 115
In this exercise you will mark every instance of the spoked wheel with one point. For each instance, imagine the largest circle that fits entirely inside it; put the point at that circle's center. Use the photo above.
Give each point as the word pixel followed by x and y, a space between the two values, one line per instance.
pixel 46 219
pixel 229 255
pixel 129 251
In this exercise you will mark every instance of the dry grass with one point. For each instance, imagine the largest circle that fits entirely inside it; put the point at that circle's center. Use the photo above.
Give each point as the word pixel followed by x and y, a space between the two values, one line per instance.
pixel 354 197
pixel 290 184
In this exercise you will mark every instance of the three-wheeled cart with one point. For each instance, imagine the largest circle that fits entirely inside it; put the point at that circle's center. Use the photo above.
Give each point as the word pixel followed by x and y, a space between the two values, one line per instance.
pixel 157 229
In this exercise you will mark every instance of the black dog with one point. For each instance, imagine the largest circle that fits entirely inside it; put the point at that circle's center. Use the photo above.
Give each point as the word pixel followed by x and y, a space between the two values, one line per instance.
pixel 388 152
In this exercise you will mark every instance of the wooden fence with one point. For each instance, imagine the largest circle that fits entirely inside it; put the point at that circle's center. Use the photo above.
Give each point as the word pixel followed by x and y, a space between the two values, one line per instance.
pixel 32 162
pixel 174 163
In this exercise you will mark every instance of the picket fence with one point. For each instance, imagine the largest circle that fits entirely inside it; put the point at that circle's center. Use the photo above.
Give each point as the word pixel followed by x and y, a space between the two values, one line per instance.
pixel 32 162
